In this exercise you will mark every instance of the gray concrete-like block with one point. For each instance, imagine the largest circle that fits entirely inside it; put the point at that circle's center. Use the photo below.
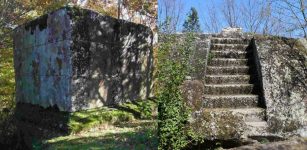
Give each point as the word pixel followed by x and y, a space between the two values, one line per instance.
pixel 79 59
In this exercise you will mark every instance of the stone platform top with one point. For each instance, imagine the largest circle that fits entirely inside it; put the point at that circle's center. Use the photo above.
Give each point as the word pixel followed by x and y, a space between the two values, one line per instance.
pixel 229 31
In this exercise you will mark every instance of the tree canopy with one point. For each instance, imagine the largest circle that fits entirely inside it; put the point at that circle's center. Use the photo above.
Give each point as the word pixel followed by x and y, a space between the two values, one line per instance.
pixel 191 24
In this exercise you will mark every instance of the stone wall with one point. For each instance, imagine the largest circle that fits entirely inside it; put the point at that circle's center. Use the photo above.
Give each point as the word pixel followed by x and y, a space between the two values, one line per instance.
pixel 78 59
pixel 284 77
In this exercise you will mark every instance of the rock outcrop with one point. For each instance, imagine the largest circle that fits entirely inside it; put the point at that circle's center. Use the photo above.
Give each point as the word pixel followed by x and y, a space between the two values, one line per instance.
pixel 284 79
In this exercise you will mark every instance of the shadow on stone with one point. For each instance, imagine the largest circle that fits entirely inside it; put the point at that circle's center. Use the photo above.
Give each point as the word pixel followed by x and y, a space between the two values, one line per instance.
pixel 214 144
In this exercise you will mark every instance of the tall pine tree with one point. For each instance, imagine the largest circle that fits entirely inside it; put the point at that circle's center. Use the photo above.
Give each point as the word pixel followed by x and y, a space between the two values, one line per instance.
pixel 191 24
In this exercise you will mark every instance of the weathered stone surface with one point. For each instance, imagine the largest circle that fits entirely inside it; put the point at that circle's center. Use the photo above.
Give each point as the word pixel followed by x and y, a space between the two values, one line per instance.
pixel 200 57
pixel 78 59
pixel 221 124
pixel 192 93
pixel 230 101
pixel 284 76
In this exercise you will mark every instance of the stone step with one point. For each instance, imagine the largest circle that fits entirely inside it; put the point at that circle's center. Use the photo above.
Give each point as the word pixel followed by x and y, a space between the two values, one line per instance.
pixel 259 128
pixel 228 89
pixel 229 41
pixel 226 79
pixel 249 114
pixel 228 47
pixel 230 101
pixel 229 54
pixel 230 70
pixel 228 62
pixel 258 124
pixel 255 114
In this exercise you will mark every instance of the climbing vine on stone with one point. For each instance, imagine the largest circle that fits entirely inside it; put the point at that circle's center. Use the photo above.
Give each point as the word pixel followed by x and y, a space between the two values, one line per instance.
pixel 173 67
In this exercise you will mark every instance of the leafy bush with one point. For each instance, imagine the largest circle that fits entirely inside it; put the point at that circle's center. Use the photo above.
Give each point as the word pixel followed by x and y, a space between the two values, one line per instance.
pixel 145 110
pixel 210 56
pixel 172 68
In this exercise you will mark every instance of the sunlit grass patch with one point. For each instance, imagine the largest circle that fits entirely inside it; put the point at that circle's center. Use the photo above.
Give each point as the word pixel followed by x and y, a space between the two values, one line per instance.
pixel 126 112
pixel 140 136
pixel 141 109
pixel 7 78
pixel 87 119
pixel 110 128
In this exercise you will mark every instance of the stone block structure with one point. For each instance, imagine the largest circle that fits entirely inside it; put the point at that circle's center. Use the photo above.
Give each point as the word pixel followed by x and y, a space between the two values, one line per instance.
pixel 248 86
pixel 79 59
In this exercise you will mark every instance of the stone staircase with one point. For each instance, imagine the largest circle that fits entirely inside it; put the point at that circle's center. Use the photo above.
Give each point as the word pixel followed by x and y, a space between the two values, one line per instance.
pixel 228 83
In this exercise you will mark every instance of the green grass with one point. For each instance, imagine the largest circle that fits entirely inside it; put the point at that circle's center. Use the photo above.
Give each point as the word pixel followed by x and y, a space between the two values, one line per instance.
pixel 86 119
pixel 141 109
pixel 127 112
pixel 123 127
pixel 141 136
pixel 7 78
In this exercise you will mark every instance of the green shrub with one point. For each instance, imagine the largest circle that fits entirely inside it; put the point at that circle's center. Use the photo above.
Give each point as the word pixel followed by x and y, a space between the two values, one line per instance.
pixel 210 56
pixel 172 68
pixel 145 110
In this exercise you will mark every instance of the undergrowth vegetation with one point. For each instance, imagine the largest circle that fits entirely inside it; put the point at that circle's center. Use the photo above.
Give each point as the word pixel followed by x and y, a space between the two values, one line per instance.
pixel 172 68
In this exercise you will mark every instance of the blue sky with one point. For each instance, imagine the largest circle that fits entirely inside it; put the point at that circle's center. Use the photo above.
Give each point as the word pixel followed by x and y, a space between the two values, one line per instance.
pixel 198 4
pixel 202 7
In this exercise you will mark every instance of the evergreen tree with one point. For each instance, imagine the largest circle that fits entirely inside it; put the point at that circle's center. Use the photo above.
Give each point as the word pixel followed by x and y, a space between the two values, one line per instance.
pixel 191 24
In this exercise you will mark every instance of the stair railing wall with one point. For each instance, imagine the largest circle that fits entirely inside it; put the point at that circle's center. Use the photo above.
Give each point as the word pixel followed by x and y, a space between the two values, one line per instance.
pixel 256 71
pixel 199 57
